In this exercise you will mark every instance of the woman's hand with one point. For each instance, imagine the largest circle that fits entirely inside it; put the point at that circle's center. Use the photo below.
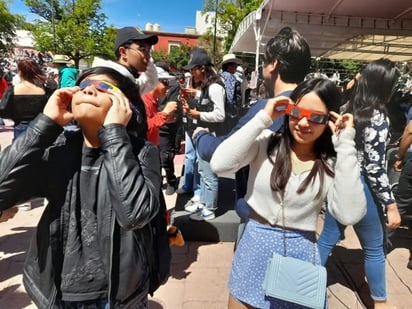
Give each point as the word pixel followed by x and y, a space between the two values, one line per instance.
pixel 120 111
pixel 58 107
pixel 198 129
pixel 188 92
pixel 393 216
pixel 339 122
pixel 170 107
pixel 194 113
pixel 397 165
pixel 276 107
pixel 185 105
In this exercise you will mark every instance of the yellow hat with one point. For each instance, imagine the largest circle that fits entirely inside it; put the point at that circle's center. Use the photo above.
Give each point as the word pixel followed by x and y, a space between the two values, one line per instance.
pixel 60 59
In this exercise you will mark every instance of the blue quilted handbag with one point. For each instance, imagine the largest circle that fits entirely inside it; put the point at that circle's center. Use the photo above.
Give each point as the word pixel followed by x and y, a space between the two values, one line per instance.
pixel 296 281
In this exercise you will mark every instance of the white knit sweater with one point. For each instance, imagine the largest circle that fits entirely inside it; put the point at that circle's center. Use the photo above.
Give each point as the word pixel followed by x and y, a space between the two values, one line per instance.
pixel 344 192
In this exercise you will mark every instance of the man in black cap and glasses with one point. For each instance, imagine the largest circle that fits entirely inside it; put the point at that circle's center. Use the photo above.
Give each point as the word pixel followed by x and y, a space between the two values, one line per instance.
pixel 132 49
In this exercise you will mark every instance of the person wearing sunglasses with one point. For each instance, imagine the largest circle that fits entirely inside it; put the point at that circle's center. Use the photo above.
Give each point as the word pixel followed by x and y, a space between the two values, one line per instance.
pixel 132 49
pixel 102 182
pixel 293 173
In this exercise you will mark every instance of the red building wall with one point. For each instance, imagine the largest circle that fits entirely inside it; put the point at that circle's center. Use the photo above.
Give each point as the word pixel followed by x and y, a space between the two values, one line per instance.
pixel 168 39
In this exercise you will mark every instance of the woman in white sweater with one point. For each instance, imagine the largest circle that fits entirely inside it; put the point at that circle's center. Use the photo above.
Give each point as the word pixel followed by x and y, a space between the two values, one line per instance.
pixel 292 176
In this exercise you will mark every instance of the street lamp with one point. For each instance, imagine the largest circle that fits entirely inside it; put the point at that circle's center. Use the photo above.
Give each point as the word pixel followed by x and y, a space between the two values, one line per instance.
pixel 214 36
pixel 52 8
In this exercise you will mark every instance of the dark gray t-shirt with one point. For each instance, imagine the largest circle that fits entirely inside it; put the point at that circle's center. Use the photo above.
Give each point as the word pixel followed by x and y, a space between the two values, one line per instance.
pixel 83 274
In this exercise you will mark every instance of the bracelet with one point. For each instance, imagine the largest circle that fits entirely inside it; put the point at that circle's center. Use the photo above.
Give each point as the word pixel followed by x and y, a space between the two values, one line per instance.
pixel 397 157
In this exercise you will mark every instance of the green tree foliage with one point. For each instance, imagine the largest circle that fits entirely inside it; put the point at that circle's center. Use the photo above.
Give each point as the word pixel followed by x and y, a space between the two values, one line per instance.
pixel 230 13
pixel 7 26
pixel 345 67
pixel 76 28
pixel 213 46
pixel 176 58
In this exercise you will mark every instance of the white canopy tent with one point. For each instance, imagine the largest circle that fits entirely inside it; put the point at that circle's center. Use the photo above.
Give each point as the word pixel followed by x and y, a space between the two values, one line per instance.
pixel 340 29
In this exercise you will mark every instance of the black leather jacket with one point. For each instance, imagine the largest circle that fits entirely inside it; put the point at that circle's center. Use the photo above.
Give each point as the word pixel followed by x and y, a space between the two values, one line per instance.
pixel 42 162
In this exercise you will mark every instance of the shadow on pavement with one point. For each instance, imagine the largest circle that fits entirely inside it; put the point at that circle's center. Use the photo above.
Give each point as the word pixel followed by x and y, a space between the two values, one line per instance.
pixel 183 257
pixel 346 267
pixel 154 305
pixel 20 299
pixel 14 246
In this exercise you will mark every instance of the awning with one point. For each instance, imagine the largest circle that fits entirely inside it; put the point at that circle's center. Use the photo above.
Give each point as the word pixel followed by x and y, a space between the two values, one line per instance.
pixel 339 29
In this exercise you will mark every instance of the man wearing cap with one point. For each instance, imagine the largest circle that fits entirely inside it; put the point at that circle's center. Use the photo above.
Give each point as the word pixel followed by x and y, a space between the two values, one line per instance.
pixel 67 75
pixel 132 49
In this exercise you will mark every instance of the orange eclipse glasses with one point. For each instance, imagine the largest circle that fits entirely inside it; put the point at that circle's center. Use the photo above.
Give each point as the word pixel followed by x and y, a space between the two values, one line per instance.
pixel 296 112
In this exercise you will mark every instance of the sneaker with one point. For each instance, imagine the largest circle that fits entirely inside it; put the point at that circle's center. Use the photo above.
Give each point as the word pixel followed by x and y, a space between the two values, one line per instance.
pixel 182 191
pixel 194 200
pixel 170 190
pixel 194 207
pixel 203 215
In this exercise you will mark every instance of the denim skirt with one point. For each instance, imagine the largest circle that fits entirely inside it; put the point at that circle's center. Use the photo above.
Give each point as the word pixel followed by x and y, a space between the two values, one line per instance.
pixel 255 248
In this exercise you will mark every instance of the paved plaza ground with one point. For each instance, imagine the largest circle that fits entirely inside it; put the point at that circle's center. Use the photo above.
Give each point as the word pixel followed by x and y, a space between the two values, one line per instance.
pixel 200 269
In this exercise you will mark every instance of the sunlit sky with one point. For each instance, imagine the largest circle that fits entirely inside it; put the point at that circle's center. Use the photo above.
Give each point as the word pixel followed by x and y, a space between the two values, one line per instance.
pixel 171 15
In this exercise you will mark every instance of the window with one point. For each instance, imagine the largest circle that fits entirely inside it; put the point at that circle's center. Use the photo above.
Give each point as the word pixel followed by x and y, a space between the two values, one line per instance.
pixel 173 45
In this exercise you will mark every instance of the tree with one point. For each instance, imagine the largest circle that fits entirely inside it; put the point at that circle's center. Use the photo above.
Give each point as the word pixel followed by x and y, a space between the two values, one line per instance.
pixel 72 27
pixel 7 26
pixel 176 58
pixel 230 14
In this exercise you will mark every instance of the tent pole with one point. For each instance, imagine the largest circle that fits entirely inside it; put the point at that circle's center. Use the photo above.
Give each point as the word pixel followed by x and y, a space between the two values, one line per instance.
pixel 258 38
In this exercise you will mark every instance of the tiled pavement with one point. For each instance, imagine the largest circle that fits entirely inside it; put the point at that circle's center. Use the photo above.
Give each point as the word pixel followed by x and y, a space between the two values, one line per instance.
pixel 200 270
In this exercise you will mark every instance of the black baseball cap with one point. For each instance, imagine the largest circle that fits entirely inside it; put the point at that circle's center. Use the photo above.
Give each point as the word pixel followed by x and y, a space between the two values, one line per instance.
pixel 131 34
pixel 197 58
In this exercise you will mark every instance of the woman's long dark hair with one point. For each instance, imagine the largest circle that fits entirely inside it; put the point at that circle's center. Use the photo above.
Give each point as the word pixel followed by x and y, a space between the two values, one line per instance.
pixel 211 75
pixel 30 71
pixel 281 143
pixel 138 123
pixel 373 91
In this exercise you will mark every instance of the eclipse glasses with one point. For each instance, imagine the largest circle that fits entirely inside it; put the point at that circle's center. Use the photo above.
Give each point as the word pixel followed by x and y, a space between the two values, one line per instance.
pixel 299 113
pixel 100 85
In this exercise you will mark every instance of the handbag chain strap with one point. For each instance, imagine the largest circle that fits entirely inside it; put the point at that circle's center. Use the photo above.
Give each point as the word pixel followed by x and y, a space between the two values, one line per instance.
pixel 284 232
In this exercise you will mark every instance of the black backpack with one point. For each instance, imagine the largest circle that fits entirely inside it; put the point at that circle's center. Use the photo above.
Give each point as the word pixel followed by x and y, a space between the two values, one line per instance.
pixel 232 107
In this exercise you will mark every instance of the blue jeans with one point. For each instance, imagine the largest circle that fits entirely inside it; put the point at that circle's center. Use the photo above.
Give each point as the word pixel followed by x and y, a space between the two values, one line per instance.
pixel 370 234
pixel 208 184
pixel 19 129
pixel 191 175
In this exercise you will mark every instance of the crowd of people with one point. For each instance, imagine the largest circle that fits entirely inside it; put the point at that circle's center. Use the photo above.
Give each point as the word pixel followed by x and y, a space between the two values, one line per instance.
pixel 97 141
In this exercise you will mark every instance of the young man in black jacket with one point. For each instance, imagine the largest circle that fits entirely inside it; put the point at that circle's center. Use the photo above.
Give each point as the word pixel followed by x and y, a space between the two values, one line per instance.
pixel 92 248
